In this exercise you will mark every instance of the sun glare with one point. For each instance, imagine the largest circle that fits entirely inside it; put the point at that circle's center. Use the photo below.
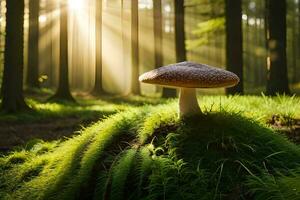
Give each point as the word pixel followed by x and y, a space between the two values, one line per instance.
pixel 42 18
pixel 75 4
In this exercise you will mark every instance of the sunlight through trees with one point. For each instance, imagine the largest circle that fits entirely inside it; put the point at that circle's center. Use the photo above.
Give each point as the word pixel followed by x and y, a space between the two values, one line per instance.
pixel 110 43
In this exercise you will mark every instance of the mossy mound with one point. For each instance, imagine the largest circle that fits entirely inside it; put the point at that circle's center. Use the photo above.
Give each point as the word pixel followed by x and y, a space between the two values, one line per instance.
pixel 150 154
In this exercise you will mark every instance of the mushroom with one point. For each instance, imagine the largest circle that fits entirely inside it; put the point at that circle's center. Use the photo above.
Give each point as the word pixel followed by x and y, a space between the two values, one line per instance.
pixel 188 76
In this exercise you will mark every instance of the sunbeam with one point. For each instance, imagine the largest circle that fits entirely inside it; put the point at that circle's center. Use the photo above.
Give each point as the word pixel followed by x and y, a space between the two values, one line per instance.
pixel 75 5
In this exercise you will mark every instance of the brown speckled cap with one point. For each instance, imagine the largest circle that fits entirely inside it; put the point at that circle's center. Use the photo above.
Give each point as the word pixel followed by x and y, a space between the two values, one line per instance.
pixel 190 75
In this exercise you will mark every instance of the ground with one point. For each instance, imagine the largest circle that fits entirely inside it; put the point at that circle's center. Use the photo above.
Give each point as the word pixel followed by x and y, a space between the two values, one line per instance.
pixel 237 149
pixel 53 121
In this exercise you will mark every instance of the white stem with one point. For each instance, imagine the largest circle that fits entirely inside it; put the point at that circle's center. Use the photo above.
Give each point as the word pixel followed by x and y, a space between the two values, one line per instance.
pixel 188 104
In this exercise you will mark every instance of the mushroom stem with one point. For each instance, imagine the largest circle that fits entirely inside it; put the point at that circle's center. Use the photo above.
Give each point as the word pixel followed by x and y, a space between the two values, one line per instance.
pixel 188 104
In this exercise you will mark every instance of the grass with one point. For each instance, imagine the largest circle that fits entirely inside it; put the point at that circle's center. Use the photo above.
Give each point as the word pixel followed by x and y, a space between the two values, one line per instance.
pixel 148 153
pixel 52 121
pixel 84 108
pixel 254 106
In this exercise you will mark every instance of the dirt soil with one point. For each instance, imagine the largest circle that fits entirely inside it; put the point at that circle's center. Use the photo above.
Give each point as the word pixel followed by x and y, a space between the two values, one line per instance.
pixel 15 134
pixel 290 128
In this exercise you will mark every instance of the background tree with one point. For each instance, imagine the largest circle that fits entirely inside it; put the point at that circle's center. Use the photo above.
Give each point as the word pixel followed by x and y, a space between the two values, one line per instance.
pixel 296 45
pixel 12 85
pixel 179 40
pixel 33 45
pixel 135 85
pixel 63 91
pixel 277 81
pixel 98 87
pixel 50 7
pixel 180 31
pixel 234 42
pixel 158 34
pixel 158 40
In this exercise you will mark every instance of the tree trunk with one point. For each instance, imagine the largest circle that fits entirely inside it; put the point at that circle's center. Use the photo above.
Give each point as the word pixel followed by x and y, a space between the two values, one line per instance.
pixel 277 81
pixel 1 50
pixel 297 67
pixel 294 44
pixel 263 43
pixel 256 42
pixel 158 34
pixel 180 47
pixel 63 91
pixel 33 45
pixel 135 85
pixel 234 42
pixel 158 37
pixel 48 30
pixel 180 31
pixel 13 100
pixel 98 87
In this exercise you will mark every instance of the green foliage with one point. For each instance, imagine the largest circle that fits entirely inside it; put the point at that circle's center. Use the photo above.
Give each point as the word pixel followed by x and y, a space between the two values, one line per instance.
pixel 205 32
pixel 211 23
pixel 120 175
pixel 281 186
pixel 148 153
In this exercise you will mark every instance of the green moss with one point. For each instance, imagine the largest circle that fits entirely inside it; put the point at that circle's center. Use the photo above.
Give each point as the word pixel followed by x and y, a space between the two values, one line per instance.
pixel 227 153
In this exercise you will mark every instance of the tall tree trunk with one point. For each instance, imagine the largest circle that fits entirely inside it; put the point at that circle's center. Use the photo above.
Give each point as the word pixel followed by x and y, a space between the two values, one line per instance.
pixel 180 46
pixel 50 7
pixel 297 67
pixel 98 87
pixel 63 91
pixel 180 31
pixel 234 42
pixel 263 43
pixel 1 50
pixel 256 42
pixel 247 49
pixel 294 44
pixel 135 85
pixel 33 45
pixel 276 37
pixel 158 37
pixel 158 34
pixel 12 99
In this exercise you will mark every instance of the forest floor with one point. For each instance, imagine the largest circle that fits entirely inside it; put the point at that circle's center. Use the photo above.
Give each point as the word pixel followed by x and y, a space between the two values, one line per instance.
pixel 234 150
pixel 58 121
pixel 14 134
pixel 290 128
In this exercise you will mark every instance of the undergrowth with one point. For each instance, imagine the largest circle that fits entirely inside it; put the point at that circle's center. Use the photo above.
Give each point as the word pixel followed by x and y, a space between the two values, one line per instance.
pixel 148 153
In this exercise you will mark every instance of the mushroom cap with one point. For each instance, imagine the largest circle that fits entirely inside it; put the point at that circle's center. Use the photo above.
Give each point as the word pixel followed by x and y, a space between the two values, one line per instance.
pixel 190 75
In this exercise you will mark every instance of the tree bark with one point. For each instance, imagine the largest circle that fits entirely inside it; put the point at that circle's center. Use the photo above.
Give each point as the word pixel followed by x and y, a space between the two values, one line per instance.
pixel 98 85
pixel 234 42
pixel 135 85
pixel 277 81
pixel 63 91
pixel 158 34
pixel 158 38
pixel 298 40
pixel 297 68
pixel 33 45
pixel 12 84
pixel 180 46
pixel 180 31
pixel 1 51
pixel 294 44
pixel 49 8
